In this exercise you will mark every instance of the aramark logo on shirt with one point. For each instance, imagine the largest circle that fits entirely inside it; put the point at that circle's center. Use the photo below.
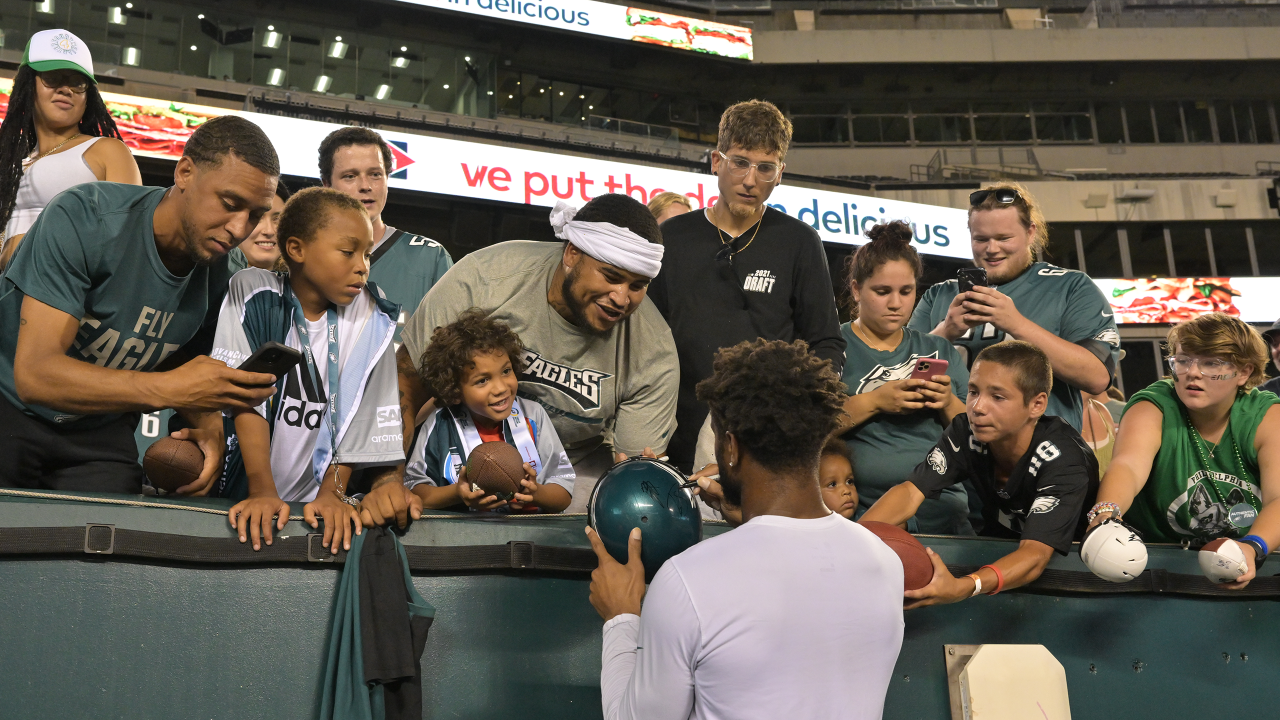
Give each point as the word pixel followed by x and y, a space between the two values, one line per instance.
pixel 581 385
pixel 760 281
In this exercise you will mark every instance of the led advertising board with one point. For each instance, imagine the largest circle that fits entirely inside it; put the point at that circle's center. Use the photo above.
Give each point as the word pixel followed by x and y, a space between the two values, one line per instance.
pixel 477 170
pixel 611 21
pixel 1165 301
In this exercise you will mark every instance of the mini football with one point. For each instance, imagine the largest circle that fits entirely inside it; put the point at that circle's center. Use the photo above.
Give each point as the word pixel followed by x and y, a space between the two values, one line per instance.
pixel 171 463
pixel 917 568
pixel 1222 561
pixel 496 468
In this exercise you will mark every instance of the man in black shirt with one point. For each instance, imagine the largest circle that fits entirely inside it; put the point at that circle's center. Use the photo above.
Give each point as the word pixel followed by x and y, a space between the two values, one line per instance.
pixel 739 270
pixel 1033 472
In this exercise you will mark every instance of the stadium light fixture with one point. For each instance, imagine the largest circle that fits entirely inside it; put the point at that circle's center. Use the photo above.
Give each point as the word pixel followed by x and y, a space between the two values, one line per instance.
pixel 467 59
pixel 490 92
pixel 45 6
pixel 383 92
pixel 400 62
pixel 322 83
pixel 338 50
pixel 193 47
pixel 275 77
pixel 129 5
pixel 271 39
pixel 404 48
pixel 446 86
pixel 131 56
pixel 115 15
pixel 200 16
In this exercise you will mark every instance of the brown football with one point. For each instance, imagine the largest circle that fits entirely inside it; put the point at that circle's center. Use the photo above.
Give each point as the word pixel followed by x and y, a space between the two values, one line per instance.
pixel 497 468
pixel 917 568
pixel 171 463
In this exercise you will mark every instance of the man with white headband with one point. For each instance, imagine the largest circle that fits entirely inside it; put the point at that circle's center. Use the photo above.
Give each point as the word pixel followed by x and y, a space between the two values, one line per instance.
pixel 600 358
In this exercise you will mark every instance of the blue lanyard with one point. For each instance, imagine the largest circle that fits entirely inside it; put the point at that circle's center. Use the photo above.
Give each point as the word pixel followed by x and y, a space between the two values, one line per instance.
pixel 300 324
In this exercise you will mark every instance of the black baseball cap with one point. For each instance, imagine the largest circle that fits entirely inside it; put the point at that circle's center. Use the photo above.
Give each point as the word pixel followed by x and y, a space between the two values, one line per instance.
pixel 1270 332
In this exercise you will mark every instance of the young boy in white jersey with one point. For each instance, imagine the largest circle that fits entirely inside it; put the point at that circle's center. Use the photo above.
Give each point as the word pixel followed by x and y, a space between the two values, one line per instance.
pixel 334 414
pixel 471 367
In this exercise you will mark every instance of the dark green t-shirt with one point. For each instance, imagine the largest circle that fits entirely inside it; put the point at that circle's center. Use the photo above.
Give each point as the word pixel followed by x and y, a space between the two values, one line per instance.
pixel 1184 497
pixel 405 267
pixel 887 448
pixel 92 254
pixel 1064 302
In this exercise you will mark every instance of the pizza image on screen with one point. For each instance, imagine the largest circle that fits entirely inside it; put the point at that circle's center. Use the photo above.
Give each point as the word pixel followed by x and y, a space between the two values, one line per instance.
pixel 1171 300
pixel 684 33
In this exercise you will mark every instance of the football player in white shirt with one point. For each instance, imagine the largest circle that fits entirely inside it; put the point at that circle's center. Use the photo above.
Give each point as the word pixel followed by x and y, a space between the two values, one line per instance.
pixel 739 626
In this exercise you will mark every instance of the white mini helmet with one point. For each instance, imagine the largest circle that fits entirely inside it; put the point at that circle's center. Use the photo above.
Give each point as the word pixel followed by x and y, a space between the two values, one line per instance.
pixel 1114 552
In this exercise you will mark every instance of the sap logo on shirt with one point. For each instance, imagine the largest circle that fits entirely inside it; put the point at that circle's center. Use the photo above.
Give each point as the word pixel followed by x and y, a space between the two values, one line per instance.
pixel 760 281
pixel 583 386
pixel 388 416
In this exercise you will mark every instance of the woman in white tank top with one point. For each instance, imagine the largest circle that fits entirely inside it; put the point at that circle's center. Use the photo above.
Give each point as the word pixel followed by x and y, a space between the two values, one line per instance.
pixel 57 134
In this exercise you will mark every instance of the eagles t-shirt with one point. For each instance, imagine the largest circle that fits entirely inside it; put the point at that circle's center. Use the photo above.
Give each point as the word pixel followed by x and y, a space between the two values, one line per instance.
pixel 1046 495
pixel 1064 302
pixel 888 447
pixel 618 387
pixel 405 266
pixel 92 254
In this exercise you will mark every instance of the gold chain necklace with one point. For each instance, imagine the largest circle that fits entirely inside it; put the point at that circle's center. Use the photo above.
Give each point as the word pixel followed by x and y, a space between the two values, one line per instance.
pixel 725 241
pixel 857 330
pixel 54 149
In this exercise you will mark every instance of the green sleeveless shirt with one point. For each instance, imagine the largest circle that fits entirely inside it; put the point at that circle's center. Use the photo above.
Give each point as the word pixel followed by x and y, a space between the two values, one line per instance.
pixel 1183 498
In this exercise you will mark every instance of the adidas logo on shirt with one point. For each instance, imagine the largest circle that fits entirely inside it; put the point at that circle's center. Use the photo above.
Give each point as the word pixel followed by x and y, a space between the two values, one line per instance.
pixel 760 281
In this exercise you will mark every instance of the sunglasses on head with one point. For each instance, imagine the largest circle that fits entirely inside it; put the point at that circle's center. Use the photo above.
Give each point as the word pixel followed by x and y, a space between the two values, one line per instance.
pixel 1004 196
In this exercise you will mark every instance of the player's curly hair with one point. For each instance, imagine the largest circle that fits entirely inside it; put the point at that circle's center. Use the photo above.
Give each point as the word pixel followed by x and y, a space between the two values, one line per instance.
pixel 779 400
pixel 453 348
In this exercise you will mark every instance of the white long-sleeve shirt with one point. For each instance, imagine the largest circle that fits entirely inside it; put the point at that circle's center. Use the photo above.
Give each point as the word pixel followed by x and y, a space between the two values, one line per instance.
pixel 780 618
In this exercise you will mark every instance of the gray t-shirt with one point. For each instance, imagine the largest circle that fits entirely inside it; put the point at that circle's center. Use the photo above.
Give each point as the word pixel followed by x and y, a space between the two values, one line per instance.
pixel 619 387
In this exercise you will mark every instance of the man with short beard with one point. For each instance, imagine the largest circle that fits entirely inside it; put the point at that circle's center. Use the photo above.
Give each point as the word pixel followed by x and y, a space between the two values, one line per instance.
pixel 598 357
pixel 740 270
pixel 106 294
pixel 1060 311
pixel 797 613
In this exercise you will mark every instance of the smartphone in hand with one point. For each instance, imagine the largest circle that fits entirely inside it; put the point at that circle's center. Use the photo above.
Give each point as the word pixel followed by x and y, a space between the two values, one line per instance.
pixel 969 278
pixel 271 358
pixel 926 368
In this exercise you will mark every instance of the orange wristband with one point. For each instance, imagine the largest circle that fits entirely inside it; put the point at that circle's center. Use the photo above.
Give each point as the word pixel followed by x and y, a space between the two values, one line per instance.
pixel 999 578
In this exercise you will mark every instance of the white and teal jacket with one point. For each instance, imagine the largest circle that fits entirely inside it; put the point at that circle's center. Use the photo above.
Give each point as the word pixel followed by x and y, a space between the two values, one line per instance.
pixel 259 308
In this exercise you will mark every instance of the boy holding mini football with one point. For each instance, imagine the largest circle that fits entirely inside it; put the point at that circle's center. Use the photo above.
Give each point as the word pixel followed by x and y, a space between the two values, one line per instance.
pixel 471 367
pixel 1033 472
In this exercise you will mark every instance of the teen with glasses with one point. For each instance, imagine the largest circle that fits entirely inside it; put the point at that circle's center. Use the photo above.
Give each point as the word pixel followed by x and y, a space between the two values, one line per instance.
pixel 738 270
pixel 57 134
pixel 1060 311
pixel 1198 453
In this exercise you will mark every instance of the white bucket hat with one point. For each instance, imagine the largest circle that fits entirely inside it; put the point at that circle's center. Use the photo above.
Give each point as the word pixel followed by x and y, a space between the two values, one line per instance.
pixel 56 50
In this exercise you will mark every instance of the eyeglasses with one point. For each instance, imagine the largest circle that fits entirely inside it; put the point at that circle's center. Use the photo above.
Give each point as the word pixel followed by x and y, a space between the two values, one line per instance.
pixel 1208 366
pixel 740 166
pixel 1004 196
pixel 69 79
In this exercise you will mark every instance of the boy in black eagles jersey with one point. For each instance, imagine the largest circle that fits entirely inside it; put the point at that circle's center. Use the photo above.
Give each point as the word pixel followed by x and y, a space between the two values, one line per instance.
pixel 1033 472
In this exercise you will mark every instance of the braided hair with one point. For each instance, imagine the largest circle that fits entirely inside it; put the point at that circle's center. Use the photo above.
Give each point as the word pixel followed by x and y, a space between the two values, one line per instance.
pixel 18 133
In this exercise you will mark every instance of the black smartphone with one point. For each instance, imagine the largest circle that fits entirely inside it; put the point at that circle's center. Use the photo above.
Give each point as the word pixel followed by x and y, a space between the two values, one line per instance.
pixel 969 278
pixel 271 358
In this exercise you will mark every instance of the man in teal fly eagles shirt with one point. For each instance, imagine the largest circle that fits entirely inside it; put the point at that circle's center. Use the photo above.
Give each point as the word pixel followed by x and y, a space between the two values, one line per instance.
pixel 357 161
pixel 1060 311
pixel 104 309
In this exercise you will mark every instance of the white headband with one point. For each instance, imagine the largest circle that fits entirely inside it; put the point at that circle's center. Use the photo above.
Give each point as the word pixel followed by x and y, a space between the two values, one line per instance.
pixel 607 242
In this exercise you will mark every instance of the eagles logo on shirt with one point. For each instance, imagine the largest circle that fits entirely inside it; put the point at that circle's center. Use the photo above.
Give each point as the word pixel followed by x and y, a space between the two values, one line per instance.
pixel 583 386
pixel 879 375
pixel 938 461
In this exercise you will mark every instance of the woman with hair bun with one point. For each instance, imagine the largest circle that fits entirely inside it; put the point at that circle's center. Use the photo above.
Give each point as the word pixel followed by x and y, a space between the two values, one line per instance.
pixel 895 420
pixel 1197 456
pixel 57 133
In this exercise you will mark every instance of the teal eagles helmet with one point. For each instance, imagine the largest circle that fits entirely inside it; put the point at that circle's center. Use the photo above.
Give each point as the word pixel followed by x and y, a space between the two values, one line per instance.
pixel 645 493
